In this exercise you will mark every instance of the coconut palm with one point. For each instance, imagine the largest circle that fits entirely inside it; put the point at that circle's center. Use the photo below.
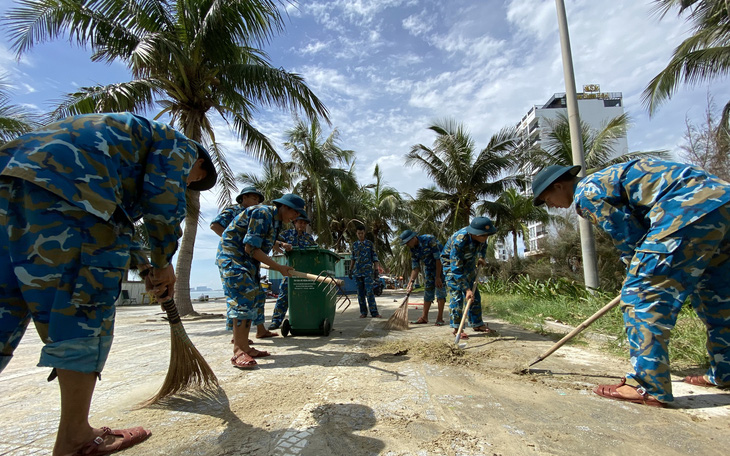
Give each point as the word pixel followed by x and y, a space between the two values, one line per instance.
pixel 313 166
pixel 190 59
pixel 599 145
pixel 462 175
pixel 274 182
pixel 702 57
pixel 383 205
pixel 511 213
pixel 14 120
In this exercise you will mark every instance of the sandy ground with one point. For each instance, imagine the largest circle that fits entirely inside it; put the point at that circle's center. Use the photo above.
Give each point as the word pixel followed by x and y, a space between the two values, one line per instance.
pixel 365 391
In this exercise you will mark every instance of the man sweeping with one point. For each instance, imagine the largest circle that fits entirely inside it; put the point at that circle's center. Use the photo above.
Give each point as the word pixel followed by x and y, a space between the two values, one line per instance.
pixel 70 193
pixel 463 253
pixel 671 224
pixel 245 244
pixel 426 249
pixel 295 238
pixel 363 266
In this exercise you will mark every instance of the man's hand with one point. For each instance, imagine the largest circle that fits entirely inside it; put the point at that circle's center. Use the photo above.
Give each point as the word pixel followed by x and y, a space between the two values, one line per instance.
pixel 439 281
pixel 162 281
pixel 469 295
pixel 481 262
pixel 409 287
pixel 286 246
pixel 285 270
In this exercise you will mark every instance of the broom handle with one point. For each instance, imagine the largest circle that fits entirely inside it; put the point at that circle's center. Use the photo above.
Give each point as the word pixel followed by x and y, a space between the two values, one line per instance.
pixel 578 329
pixel 466 310
pixel 316 278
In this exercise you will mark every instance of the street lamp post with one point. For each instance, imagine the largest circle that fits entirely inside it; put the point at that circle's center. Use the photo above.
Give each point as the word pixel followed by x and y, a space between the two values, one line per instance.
pixel 587 243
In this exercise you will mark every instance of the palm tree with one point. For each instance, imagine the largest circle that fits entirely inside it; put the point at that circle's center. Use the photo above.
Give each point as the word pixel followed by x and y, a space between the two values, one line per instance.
pixel 274 182
pixel 463 176
pixel 512 211
pixel 383 205
pixel 313 166
pixel 14 120
pixel 599 145
pixel 188 58
pixel 702 57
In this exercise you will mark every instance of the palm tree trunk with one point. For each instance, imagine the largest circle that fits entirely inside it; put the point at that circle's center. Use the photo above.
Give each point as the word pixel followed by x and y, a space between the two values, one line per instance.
pixel 185 255
pixel 514 244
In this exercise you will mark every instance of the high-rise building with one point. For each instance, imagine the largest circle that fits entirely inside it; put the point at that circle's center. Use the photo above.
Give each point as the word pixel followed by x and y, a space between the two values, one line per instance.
pixel 596 108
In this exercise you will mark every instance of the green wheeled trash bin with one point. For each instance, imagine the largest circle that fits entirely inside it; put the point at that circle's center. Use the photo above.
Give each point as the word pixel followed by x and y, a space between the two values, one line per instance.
pixel 311 304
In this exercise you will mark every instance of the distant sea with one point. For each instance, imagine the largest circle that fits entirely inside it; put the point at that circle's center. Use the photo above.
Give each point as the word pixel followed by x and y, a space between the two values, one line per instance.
pixel 194 295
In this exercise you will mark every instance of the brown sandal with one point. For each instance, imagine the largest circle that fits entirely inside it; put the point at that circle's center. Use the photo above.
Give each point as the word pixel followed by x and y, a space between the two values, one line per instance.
pixel 130 437
pixel 482 329
pixel 253 353
pixel 611 392
pixel 463 335
pixel 698 380
pixel 243 361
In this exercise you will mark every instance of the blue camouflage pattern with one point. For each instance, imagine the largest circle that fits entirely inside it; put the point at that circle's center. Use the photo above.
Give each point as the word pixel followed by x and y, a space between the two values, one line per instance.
pixel 297 241
pixel 672 227
pixel 365 286
pixel 69 195
pixel 116 166
pixel 258 227
pixel 459 260
pixel 364 255
pixel 228 214
pixel 428 251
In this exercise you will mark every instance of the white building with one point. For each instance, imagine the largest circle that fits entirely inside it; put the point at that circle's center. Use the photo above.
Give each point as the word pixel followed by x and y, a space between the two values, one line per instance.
pixel 500 251
pixel 596 108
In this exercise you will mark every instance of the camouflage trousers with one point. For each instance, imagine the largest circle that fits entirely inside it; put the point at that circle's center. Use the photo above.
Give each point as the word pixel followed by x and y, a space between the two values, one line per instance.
pixel 61 267
pixel 245 298
pixel 430 290
pixel 282 303
pixel 365 289
pixel 457 303
pixel 693 263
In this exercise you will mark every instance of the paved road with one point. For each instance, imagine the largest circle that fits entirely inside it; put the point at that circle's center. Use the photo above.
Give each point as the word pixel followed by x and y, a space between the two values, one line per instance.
pixel 351 394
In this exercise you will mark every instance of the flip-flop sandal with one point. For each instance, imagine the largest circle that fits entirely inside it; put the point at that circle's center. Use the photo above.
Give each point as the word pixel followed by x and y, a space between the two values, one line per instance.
pixel 463 335
pixel 420 321
pixel 482 329
pixel 257 353
pixel 243 361
pixel 439 323
pixel 268 334
pixel 250 342
pixel 698 380
pixel 611 392
pixel 130 437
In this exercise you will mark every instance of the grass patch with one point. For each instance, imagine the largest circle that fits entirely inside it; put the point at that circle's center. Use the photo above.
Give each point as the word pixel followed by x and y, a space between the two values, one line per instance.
pixel 687 345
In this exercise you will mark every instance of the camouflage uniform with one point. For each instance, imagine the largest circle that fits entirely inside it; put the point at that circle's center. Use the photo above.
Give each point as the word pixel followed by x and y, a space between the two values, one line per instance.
pixel 671 223
pixel 365 256
pixel 459 260
pixel 69 194
pixel 428 251
pixel 228 214
pixel 258 227
pixel 282 303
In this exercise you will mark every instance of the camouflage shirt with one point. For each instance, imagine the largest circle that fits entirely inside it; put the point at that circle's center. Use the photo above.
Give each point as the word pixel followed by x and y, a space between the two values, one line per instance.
pixel 459 258
pixel 298 240
pixel 364 255
pixel 116 166
pixel 643 202
pixel 256 226
pixel 227 215
pixel 427 251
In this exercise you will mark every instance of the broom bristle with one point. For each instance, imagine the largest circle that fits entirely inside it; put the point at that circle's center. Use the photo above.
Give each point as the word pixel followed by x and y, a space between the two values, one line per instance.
pixel 399 320
pixel 188 369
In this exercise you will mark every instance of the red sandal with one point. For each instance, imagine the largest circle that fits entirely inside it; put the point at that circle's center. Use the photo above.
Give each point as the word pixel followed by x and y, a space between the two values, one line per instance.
pixel 698 380
pixel 130 437
pixel 243 361
pixel 253 353
pixel 611 392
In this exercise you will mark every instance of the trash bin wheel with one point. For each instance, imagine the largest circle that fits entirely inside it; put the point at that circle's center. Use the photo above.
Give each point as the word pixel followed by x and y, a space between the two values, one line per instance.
pixel 285 328
pixel 326 327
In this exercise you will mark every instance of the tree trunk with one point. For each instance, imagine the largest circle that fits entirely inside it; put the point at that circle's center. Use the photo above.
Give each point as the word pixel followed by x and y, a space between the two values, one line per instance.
pixel 514 244
pixel 185 255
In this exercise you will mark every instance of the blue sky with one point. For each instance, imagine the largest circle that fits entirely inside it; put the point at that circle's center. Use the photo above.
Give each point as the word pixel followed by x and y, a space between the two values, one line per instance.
pixel 386 69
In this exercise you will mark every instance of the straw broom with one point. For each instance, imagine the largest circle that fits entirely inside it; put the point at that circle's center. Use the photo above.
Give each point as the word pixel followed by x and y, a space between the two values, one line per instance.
pixel 188 369
pixel 399 320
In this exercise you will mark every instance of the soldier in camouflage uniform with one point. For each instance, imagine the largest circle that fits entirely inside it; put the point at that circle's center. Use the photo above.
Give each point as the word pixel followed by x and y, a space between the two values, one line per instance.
pixel 463 253
pixel 70 193
pixel 671 225
pixel 248 197
pixel 426 249
pixel 293 238
pixel 245 244
pixel 363 266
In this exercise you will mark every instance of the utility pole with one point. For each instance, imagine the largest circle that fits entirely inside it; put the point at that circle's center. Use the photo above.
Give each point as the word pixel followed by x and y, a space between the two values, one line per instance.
pixel 587 243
